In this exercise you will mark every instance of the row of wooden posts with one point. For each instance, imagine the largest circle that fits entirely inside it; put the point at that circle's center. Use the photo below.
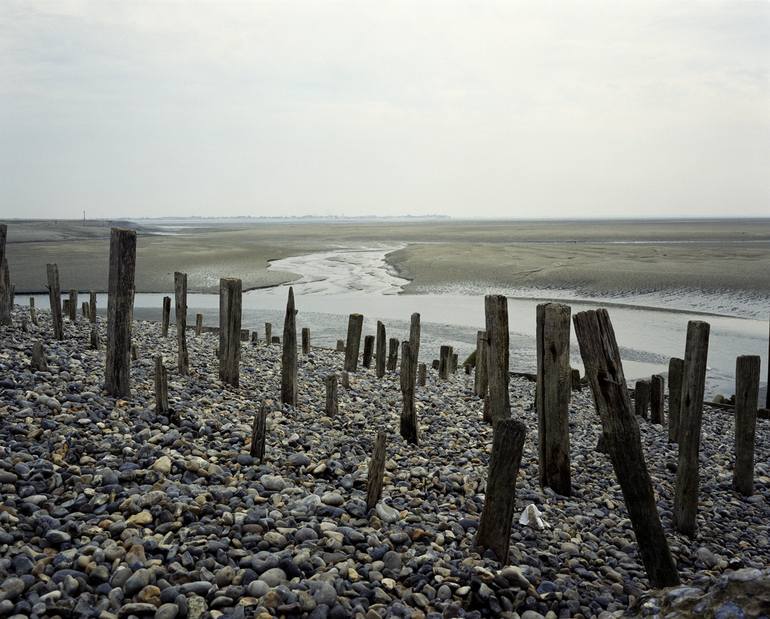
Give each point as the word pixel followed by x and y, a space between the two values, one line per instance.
pixel 555 379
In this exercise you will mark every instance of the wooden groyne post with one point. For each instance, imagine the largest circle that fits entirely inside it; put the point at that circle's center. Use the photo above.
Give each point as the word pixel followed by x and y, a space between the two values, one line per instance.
pixel 368 351
pixel 353 343
pixel 746 402
pixel 642 398
pixel 230 290
pixel 120 310
pixel 6 294
pixel 199 318
pixel 422 372
pixel 92 306
pixel 305 340
pixel 54 299
pixel 480 375
pixel 32 312
pixel 554 387
pixel 289 356
pixel 340 345
pixel 408 424
pixel 494 531
pixel 496 314
pixel 380 350
pixel 161 386
pixel 414 344
pixel 392 354
pixel 258 433
pixel 73 305
pixel 604 371
pixel 657 399
pixel 180 294
pixel 331 394
pixel 165 316
pixel 444 361
pixel 675 370
pixel 690 415
pixel 376 471
pixel 268 333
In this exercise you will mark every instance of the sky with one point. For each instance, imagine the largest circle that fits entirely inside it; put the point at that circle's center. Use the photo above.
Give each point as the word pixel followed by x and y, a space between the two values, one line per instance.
pixel 468 109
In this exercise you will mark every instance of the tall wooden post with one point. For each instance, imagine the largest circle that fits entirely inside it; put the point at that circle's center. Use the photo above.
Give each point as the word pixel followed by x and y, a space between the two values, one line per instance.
pixel 6 294
pixel 289 356
pixel 331 394
pixel 32 312
pixel 642 398
pixel 554 386
pixel 392 354
pixel 305 340
pixel 494 531
pixel 657 399
pixel 73 304
pixel 92 306
pixel 355 325
pixel 690 414
pixel 180 294
pixel 368 351
pixel 85 311
pixel 230 330
pixel 165 316
pixel 444 361
pixel 480 375
pixel 675 370
pixel 380 350
pixel 376 471
pixel 746 401
pixel 268 333
pixel 120 310
pixel 767 394
pixel 414 343
pixel 408 413
pixel 496 311
pixel 161 386
pixel 54 298
pixel 604 372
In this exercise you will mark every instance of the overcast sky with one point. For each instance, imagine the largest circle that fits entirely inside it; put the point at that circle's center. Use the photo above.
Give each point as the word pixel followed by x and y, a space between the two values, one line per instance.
pixel 489 109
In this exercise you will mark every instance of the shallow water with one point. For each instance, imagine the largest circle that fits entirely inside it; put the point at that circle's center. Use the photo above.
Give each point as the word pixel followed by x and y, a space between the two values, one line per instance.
pixel 337 283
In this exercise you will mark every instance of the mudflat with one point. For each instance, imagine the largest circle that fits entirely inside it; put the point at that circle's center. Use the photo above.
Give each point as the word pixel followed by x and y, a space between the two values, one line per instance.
pixel 599 257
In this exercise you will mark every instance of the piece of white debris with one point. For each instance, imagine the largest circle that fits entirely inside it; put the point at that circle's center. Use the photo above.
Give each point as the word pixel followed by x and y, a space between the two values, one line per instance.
pixel 531 516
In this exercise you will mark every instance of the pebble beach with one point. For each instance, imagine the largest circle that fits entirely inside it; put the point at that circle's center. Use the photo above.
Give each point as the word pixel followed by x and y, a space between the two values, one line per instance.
pixel 108 509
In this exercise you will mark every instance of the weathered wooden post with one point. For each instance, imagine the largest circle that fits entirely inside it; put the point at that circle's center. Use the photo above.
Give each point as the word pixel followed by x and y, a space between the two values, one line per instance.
pixel 268 333
pixel 444 356
pixel 368 351
pixel 161 386
pixel 675 371
pixel 84 311
pixel 276 339
pixel 6 294
pixel 254 337
pixel 54 299
pixel 340 345
pixel 134 352
pixel 305 340
pixel 576 385
pixel 230 290
pixel 345 379
pixel 435 364
pixel 408 413
pixel 165 316
pixel 32 312
pixel 421 374
pixel 120 310
pixel 180 294
pixel 494 531
pixel 94 339
pixel 642 398
pixel 554 385
pixel 657 399
pixel 331 394
pixel 414 343
pixel 392 354
pixel 38 362
pixel 746 402
pixel 380 350
pixel 289 356
pixel 73 305
pixel 65 308
pixel 453 358
pixel 92 306
pixel 480 376
pixel 690 414
pixel 496 312
pixel 376 471
pixel 199 317
pixel 767 394
pixel 355 325
pixel 258 433
pixel 604 372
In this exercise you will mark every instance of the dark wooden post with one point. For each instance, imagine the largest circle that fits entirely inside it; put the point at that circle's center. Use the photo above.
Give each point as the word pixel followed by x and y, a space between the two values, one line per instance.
pixel 690 414
pixel 340 345
pixel 120 310
pixel 165 316
pixel 230 290
pixel 92 306
pixel 73 305
pixel 767 394
pixel 657 399
pixel 305 340
pixel 408 413
pixel 268 333
pixel 392 354
pixel 180 293
pixel 65 308
pixel 331 394
pixel 453 365
pixel 199 317
pixel 414 343
pixel 345 379
pixel 444 357
pixel 368 351
pixel 6 294
pixel 554 385
pixel 642 398
pixel 94 340
pixel 380 350
pixel 353 344
pixel 254 337
pixel 480 376
pixel 38 363
pixel 435 364
pixel 675 370
pixel 54 298
pixel 84 309
pixel 134 352
pixel 496 311
pixel 258 433
pixel 276 339
pixel 500 497
pixel 289 356
pixel 746 402
pixel 421 374
pixel 32 312
pixel 576 386
pixel 161 386
pixel 376 471
pixel 604 372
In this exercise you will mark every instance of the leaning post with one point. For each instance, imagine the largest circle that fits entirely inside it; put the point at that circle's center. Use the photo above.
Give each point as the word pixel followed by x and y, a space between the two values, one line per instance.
pixel 120 309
